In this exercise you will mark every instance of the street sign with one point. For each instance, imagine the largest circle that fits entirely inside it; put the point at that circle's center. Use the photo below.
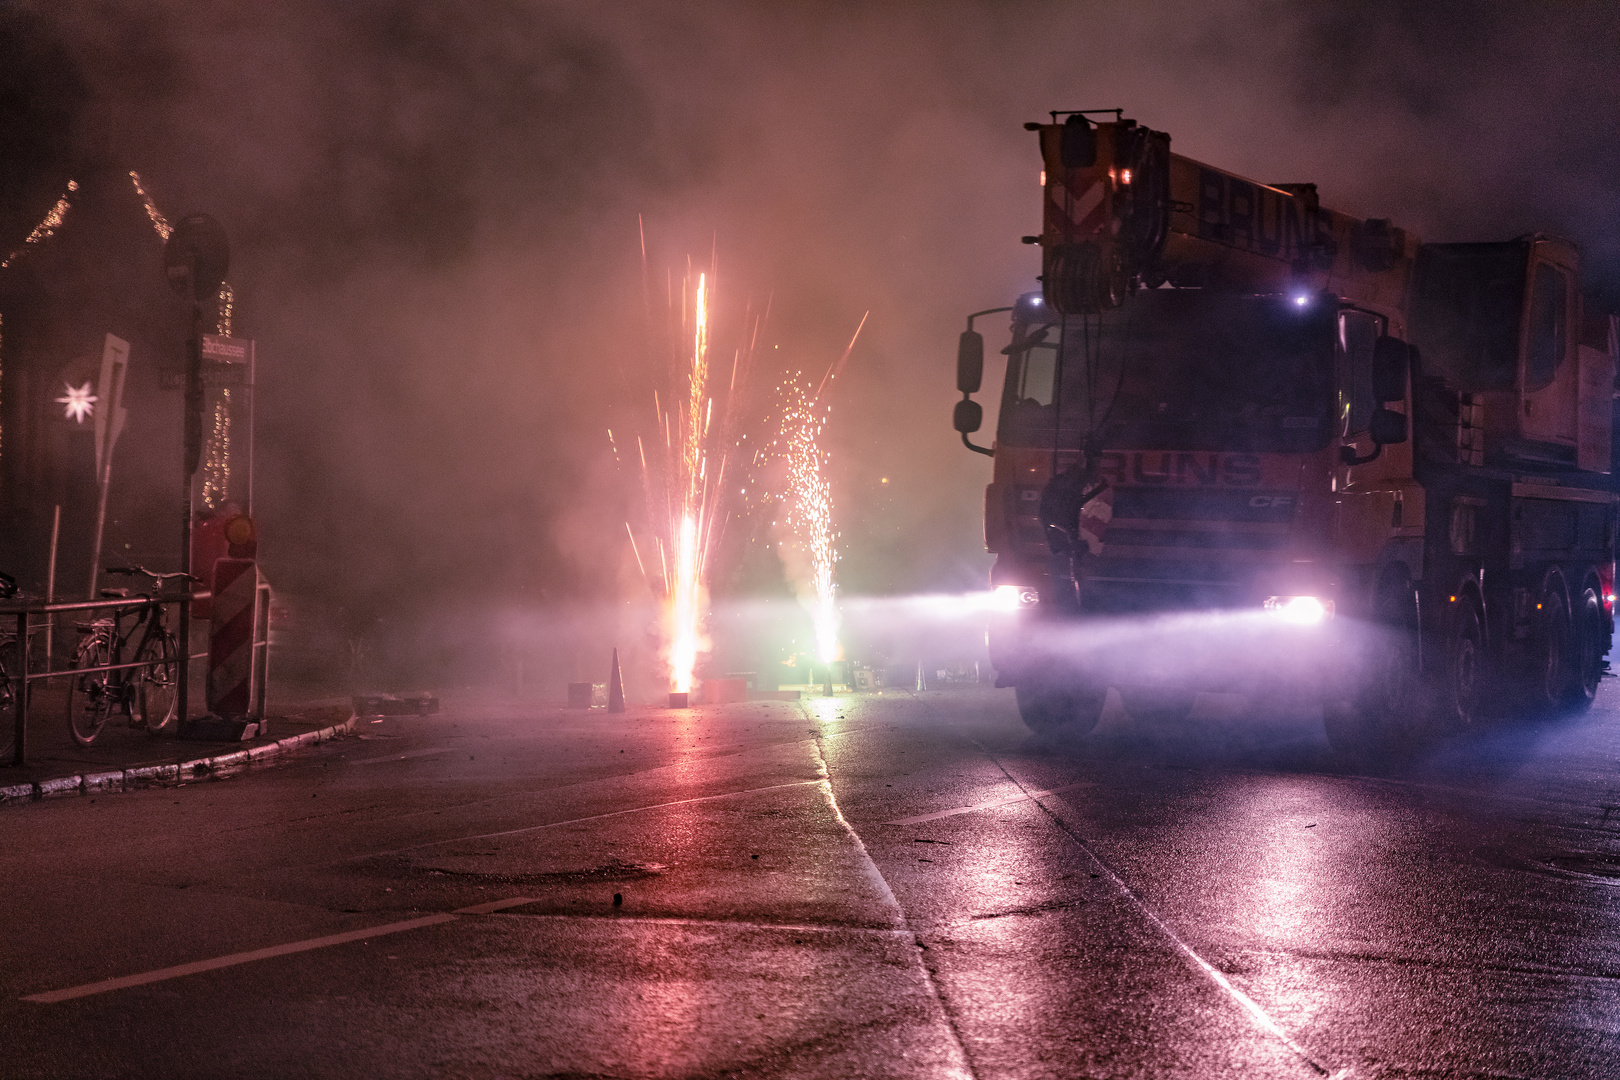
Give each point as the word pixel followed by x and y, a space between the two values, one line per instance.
pixel 227 361
pixel 111 415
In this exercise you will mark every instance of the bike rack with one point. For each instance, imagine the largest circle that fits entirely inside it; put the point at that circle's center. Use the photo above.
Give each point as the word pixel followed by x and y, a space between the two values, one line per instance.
pixel 23 677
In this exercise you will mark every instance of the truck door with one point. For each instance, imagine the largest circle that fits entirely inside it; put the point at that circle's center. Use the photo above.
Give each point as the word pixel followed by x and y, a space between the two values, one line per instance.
pixel 1548 374
pixel 1366 502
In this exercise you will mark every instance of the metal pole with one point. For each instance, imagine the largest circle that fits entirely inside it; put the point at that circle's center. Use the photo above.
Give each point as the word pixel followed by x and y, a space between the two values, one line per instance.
pixel 253 405
pixel 50 585
pixel 101 520
pixel 193 454
pixel 19 700
pixel 261 651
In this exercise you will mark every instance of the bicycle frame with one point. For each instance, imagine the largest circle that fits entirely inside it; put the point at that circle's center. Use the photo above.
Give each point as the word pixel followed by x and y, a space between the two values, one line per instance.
pixel 149 616
pixel 19 611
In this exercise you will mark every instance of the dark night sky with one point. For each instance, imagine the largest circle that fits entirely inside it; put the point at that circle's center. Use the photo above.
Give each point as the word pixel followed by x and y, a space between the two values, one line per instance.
pixel 434 212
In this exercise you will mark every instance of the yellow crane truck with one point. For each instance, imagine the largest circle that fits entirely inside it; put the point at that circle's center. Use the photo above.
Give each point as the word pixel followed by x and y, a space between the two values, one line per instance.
pixel 1246 441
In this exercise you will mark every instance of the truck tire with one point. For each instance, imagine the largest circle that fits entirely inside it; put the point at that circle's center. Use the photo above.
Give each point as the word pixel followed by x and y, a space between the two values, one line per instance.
pixel 1556 664
pixel 1459 682
pixel 1591 642
pixel 1072 706
pixel 1381 720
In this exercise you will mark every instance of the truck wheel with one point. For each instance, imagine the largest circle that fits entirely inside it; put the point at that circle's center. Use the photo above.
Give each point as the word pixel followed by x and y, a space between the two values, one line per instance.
pixel 1554 674
pixel 1459 683
pixel 1590 645
pixel 1382 718
pixel 1075 707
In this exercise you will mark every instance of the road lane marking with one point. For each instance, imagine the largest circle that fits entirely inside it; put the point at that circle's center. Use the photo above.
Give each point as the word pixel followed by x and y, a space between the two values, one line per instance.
pixel 1023 796
pixel 1261 1018
pixel 235 958
pixel 495 905
pixel 198 966
pixel 962 1063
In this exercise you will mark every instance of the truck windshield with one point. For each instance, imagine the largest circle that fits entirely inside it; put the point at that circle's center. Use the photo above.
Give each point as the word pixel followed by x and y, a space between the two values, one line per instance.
pixel 1176 369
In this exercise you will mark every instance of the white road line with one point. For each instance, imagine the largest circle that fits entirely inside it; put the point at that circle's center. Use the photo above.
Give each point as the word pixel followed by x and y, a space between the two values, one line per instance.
pixel 963 1066
pixel 233 959
pixel 495 905
pixel 1261 1018
pixel 197 966
pixel 1021 797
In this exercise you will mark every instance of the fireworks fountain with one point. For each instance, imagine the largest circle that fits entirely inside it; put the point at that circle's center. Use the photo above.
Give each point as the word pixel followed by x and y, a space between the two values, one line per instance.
pixel 691 513
pixel 809 509
pixel 683 485
pixel 809 497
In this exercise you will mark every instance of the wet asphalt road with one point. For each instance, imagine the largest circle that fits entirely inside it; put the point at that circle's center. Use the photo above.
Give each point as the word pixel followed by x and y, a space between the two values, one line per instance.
pixel 860 886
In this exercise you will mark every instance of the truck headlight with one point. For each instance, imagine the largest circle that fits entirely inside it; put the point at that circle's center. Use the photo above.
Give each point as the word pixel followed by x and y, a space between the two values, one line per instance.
pixel 1300 610
pixel 1014 597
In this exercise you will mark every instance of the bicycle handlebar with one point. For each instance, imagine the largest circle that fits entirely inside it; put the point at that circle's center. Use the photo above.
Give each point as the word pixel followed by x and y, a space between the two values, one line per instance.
pixel 131 571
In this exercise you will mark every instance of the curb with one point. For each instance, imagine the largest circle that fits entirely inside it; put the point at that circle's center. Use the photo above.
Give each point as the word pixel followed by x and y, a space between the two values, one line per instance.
pixel 217 765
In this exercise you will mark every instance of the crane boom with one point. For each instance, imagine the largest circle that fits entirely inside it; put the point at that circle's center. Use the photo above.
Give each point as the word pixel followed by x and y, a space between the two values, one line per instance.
pixel 1122 211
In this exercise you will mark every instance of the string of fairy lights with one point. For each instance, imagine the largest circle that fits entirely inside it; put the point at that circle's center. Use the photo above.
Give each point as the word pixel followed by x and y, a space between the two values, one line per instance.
pixel 216 466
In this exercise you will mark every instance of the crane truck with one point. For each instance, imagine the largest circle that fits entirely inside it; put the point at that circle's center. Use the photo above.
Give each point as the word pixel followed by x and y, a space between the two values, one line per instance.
pixel 1367 470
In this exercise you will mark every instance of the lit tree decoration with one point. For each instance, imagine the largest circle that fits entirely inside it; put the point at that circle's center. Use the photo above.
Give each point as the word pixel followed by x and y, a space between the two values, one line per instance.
pixel 78 402
pixel 216 468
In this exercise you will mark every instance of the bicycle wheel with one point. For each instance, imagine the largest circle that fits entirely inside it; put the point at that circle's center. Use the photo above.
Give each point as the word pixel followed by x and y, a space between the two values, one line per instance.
pixel 91 698
pixel 156 691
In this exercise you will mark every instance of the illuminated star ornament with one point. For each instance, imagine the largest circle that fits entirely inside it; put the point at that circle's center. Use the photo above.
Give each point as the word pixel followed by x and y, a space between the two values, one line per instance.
pixel 78 402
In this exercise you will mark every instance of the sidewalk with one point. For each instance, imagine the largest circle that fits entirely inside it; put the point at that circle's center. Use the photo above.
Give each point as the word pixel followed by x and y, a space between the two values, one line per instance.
pixel 124 757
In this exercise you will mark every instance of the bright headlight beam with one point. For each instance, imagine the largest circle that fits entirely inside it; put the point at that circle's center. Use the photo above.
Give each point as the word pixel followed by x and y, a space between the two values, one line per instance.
pixel 1299 610
pixel 1006 597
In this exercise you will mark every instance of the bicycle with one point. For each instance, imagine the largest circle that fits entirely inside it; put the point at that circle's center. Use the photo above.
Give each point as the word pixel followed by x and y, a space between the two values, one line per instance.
pixel 10 666
pixel 146 694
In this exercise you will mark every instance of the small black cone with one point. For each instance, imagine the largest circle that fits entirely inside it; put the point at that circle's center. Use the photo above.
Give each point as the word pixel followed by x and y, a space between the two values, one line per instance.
pixel 615 687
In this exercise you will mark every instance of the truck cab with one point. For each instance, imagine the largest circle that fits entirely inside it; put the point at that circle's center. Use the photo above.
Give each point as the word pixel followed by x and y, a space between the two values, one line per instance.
pixel 1384 483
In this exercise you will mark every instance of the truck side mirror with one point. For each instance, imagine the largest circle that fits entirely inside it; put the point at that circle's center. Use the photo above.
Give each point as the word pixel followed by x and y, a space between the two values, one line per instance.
pixel 969 416
pixel 970 363
pixel 1391 361
pixel 1387 426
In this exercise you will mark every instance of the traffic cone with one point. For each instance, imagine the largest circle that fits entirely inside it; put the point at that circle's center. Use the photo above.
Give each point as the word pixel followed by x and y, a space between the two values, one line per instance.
pixel 615 687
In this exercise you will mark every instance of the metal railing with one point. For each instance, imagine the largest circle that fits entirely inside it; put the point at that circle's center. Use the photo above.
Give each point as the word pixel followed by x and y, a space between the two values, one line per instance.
pixel 23 678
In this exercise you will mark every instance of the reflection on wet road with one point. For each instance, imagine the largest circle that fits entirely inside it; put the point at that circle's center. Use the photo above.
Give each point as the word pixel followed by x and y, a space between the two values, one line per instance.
pixel 880 885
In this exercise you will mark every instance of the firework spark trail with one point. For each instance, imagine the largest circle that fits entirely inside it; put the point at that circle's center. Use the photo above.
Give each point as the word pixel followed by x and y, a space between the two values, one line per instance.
pixel 683 486
pixel 692 512
pixel 809 516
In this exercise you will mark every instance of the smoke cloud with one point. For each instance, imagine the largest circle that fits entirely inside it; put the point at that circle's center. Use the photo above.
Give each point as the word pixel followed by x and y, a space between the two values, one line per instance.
pixel 434 210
